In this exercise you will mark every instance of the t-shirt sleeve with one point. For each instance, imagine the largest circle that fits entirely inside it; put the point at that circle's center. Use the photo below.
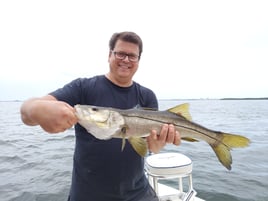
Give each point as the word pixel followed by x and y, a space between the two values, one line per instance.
pixel 70 93
pixel 148 98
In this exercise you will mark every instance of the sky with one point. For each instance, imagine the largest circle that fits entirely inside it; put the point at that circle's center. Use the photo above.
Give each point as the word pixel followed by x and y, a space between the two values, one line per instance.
pixel 192 49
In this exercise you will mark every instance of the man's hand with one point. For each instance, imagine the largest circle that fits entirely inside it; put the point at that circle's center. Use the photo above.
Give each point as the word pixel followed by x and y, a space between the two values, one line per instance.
pixel 56 116
pixel 168 134
pixel 52 115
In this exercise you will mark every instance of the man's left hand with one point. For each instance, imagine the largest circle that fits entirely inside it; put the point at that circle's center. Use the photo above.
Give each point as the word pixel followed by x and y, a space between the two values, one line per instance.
pixel 168 134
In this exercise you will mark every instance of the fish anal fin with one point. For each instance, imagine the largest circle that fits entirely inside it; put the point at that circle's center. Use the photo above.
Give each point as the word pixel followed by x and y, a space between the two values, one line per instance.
pixel 139 145
pixel 182 110
pixel 189 139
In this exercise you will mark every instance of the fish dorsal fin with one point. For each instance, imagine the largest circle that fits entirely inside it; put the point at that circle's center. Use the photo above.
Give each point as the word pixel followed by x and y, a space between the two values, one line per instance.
pixel 182 110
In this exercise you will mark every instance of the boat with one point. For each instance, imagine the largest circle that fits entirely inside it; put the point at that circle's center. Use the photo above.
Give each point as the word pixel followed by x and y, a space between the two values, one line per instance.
pixel 171 166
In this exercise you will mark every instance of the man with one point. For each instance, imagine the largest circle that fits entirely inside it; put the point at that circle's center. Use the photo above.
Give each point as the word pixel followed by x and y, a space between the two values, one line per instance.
pixel 101 171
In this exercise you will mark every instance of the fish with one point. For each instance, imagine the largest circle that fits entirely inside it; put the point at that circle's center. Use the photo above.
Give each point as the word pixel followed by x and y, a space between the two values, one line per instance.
pixel 137 123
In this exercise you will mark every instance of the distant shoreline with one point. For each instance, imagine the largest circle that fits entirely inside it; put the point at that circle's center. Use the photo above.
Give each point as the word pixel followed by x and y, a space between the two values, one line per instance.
pixel 245 98
pixel 176 99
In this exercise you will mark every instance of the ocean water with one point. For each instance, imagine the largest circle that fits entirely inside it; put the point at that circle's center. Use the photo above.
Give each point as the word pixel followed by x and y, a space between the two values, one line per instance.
pixel 36 166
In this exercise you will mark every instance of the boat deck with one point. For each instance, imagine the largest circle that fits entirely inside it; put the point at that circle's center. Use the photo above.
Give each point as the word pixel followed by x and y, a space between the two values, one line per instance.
pixel 167 193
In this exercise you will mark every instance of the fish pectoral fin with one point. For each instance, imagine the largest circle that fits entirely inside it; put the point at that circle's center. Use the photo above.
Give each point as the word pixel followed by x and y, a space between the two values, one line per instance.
pixel 189 139
pixel 139 145
pixel 223 147
pixel 123 134
pixel 182 110
pixel 123 143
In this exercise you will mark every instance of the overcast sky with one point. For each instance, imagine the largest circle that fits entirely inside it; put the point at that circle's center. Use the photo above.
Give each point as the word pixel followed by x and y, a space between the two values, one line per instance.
pixel 192 49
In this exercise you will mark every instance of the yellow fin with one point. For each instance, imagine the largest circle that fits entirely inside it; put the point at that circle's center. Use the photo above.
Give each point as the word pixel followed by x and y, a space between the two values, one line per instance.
pixel 139 145
pixel 228 141
pixel 224 155
pixel 182 110
pixel 234 141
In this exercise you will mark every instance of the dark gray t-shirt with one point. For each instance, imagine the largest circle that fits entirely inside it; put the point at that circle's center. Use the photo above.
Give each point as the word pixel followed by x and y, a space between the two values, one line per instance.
pixel 101 171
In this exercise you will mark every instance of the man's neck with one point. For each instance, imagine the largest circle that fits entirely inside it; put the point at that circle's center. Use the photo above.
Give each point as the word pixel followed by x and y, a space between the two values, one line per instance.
pixel 118 82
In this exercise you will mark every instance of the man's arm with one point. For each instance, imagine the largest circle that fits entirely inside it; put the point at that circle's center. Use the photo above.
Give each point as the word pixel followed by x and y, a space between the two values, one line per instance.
pixel 52 115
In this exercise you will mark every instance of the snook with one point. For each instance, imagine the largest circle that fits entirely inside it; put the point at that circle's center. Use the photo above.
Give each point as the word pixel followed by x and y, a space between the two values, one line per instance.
pixel 133 124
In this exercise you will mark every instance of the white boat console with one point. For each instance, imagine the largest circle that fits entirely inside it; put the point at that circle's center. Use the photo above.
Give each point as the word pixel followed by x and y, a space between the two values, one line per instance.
pixel 167 166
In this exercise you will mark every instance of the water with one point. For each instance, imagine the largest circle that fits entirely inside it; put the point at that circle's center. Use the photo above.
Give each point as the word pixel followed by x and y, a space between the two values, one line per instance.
pixel 36 166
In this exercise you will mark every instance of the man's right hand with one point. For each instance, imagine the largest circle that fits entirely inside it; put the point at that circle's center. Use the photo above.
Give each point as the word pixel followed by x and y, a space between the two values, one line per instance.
pixel 52 115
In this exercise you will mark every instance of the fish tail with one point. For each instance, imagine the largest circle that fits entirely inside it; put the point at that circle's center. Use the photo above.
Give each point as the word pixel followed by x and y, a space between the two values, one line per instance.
pixel 228 141
pixel 235 141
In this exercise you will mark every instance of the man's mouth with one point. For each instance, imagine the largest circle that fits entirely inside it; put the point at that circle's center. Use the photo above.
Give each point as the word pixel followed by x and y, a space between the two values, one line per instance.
pixel 124 66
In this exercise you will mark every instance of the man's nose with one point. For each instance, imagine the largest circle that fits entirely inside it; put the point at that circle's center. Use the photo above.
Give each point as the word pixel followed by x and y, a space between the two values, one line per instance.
pixel 126 59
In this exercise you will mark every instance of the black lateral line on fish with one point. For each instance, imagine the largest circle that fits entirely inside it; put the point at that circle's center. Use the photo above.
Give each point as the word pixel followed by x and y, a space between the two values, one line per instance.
pixel 217 141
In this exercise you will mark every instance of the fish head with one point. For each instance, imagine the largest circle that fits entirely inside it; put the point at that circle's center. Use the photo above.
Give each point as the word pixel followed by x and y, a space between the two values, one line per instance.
pixel 100 117
pixel 101 122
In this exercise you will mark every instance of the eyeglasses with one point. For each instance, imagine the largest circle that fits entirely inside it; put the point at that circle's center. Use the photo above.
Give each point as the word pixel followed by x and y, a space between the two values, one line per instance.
pixel 123 55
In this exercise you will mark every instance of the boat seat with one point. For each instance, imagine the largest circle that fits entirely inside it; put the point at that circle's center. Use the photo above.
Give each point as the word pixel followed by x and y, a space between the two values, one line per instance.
pixel 168 166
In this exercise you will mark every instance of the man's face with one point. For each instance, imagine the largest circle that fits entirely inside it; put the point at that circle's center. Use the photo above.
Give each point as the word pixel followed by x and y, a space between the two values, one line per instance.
pixel 121 66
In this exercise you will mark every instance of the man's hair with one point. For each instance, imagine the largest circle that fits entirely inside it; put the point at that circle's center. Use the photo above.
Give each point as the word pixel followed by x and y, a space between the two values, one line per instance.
pixel 127 37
